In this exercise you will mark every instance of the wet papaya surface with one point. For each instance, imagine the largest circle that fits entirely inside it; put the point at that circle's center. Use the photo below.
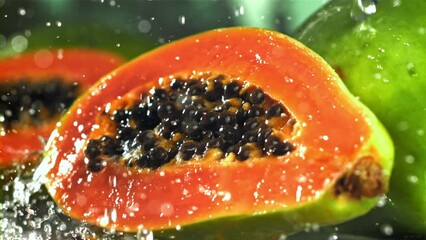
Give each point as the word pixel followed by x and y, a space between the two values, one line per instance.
pixel 127 155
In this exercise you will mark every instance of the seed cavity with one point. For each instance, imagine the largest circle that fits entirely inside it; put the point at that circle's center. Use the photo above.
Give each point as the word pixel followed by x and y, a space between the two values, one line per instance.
pixel 365 179
pixel 24 102
pixel 189 118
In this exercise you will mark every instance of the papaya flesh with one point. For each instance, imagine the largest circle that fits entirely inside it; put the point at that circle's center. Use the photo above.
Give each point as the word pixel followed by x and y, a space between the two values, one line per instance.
pixel 338 163
pixel 35 89
pixel 381 60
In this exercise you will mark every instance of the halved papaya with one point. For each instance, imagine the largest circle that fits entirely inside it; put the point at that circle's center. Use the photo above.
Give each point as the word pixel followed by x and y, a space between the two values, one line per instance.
pixel 234 133
pixel 35 88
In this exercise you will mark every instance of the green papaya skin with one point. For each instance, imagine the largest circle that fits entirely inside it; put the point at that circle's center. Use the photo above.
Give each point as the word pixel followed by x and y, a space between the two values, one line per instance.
pixel 381 58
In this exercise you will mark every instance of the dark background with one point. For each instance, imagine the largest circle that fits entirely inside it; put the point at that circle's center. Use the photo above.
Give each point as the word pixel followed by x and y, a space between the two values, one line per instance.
pixel 114 23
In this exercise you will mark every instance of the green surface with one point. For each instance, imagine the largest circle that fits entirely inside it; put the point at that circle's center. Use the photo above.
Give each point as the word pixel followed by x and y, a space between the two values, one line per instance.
pixel 382 59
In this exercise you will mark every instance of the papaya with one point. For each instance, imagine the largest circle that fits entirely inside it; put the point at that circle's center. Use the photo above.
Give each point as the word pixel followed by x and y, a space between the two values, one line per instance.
pixel 380 56
pixel 36 88
pixel 236 133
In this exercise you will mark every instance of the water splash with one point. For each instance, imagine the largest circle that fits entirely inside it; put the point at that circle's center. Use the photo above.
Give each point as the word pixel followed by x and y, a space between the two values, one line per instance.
pixel 28 212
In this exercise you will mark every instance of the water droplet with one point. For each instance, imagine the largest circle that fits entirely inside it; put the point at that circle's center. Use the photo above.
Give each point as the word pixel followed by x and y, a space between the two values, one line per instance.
pixel 104 220
pixel 19 43
pixel 48 24
pixel 411 70
pixel 238 11
pixel 378 76
pixel 412 179
pixel 396 3
pixel 282 237
pixel 333 237
pixel 403 126
pixel 62 227
pixel 421 30
pixel 43 58
pixel 166 209
pixel 386 229
pixel 58 23
pixel 112 3
pixel 381 202
pixel 298 193
pixel 409 159
pixel 226 196
pixel 114 215
pixel 22 11
pixel 144 26
pixel 324 137
pixel 112 180
pixel 361 9
pixel 181 20
pixel 144 234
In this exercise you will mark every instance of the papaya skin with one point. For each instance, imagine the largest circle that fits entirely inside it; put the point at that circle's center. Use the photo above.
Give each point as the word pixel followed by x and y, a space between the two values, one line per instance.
pixel 382 61
pixel 234 51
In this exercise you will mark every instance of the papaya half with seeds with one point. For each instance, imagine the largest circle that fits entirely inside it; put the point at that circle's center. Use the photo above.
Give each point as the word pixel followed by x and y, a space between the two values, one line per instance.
pixel 36 88
pixel 234 133
pixel 382 60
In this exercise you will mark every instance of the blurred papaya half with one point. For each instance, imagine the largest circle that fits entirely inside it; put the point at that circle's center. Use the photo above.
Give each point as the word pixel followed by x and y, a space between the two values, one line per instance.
pixel 36 88
pixel 235 133
pixel 379 50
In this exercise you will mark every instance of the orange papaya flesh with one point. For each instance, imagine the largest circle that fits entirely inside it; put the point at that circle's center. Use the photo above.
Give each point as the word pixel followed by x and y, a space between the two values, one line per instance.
pixel 338 166
pixel 25 81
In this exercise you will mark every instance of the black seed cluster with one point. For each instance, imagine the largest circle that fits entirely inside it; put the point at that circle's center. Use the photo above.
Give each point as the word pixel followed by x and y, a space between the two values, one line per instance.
pixel 28 102
pixel 185 119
